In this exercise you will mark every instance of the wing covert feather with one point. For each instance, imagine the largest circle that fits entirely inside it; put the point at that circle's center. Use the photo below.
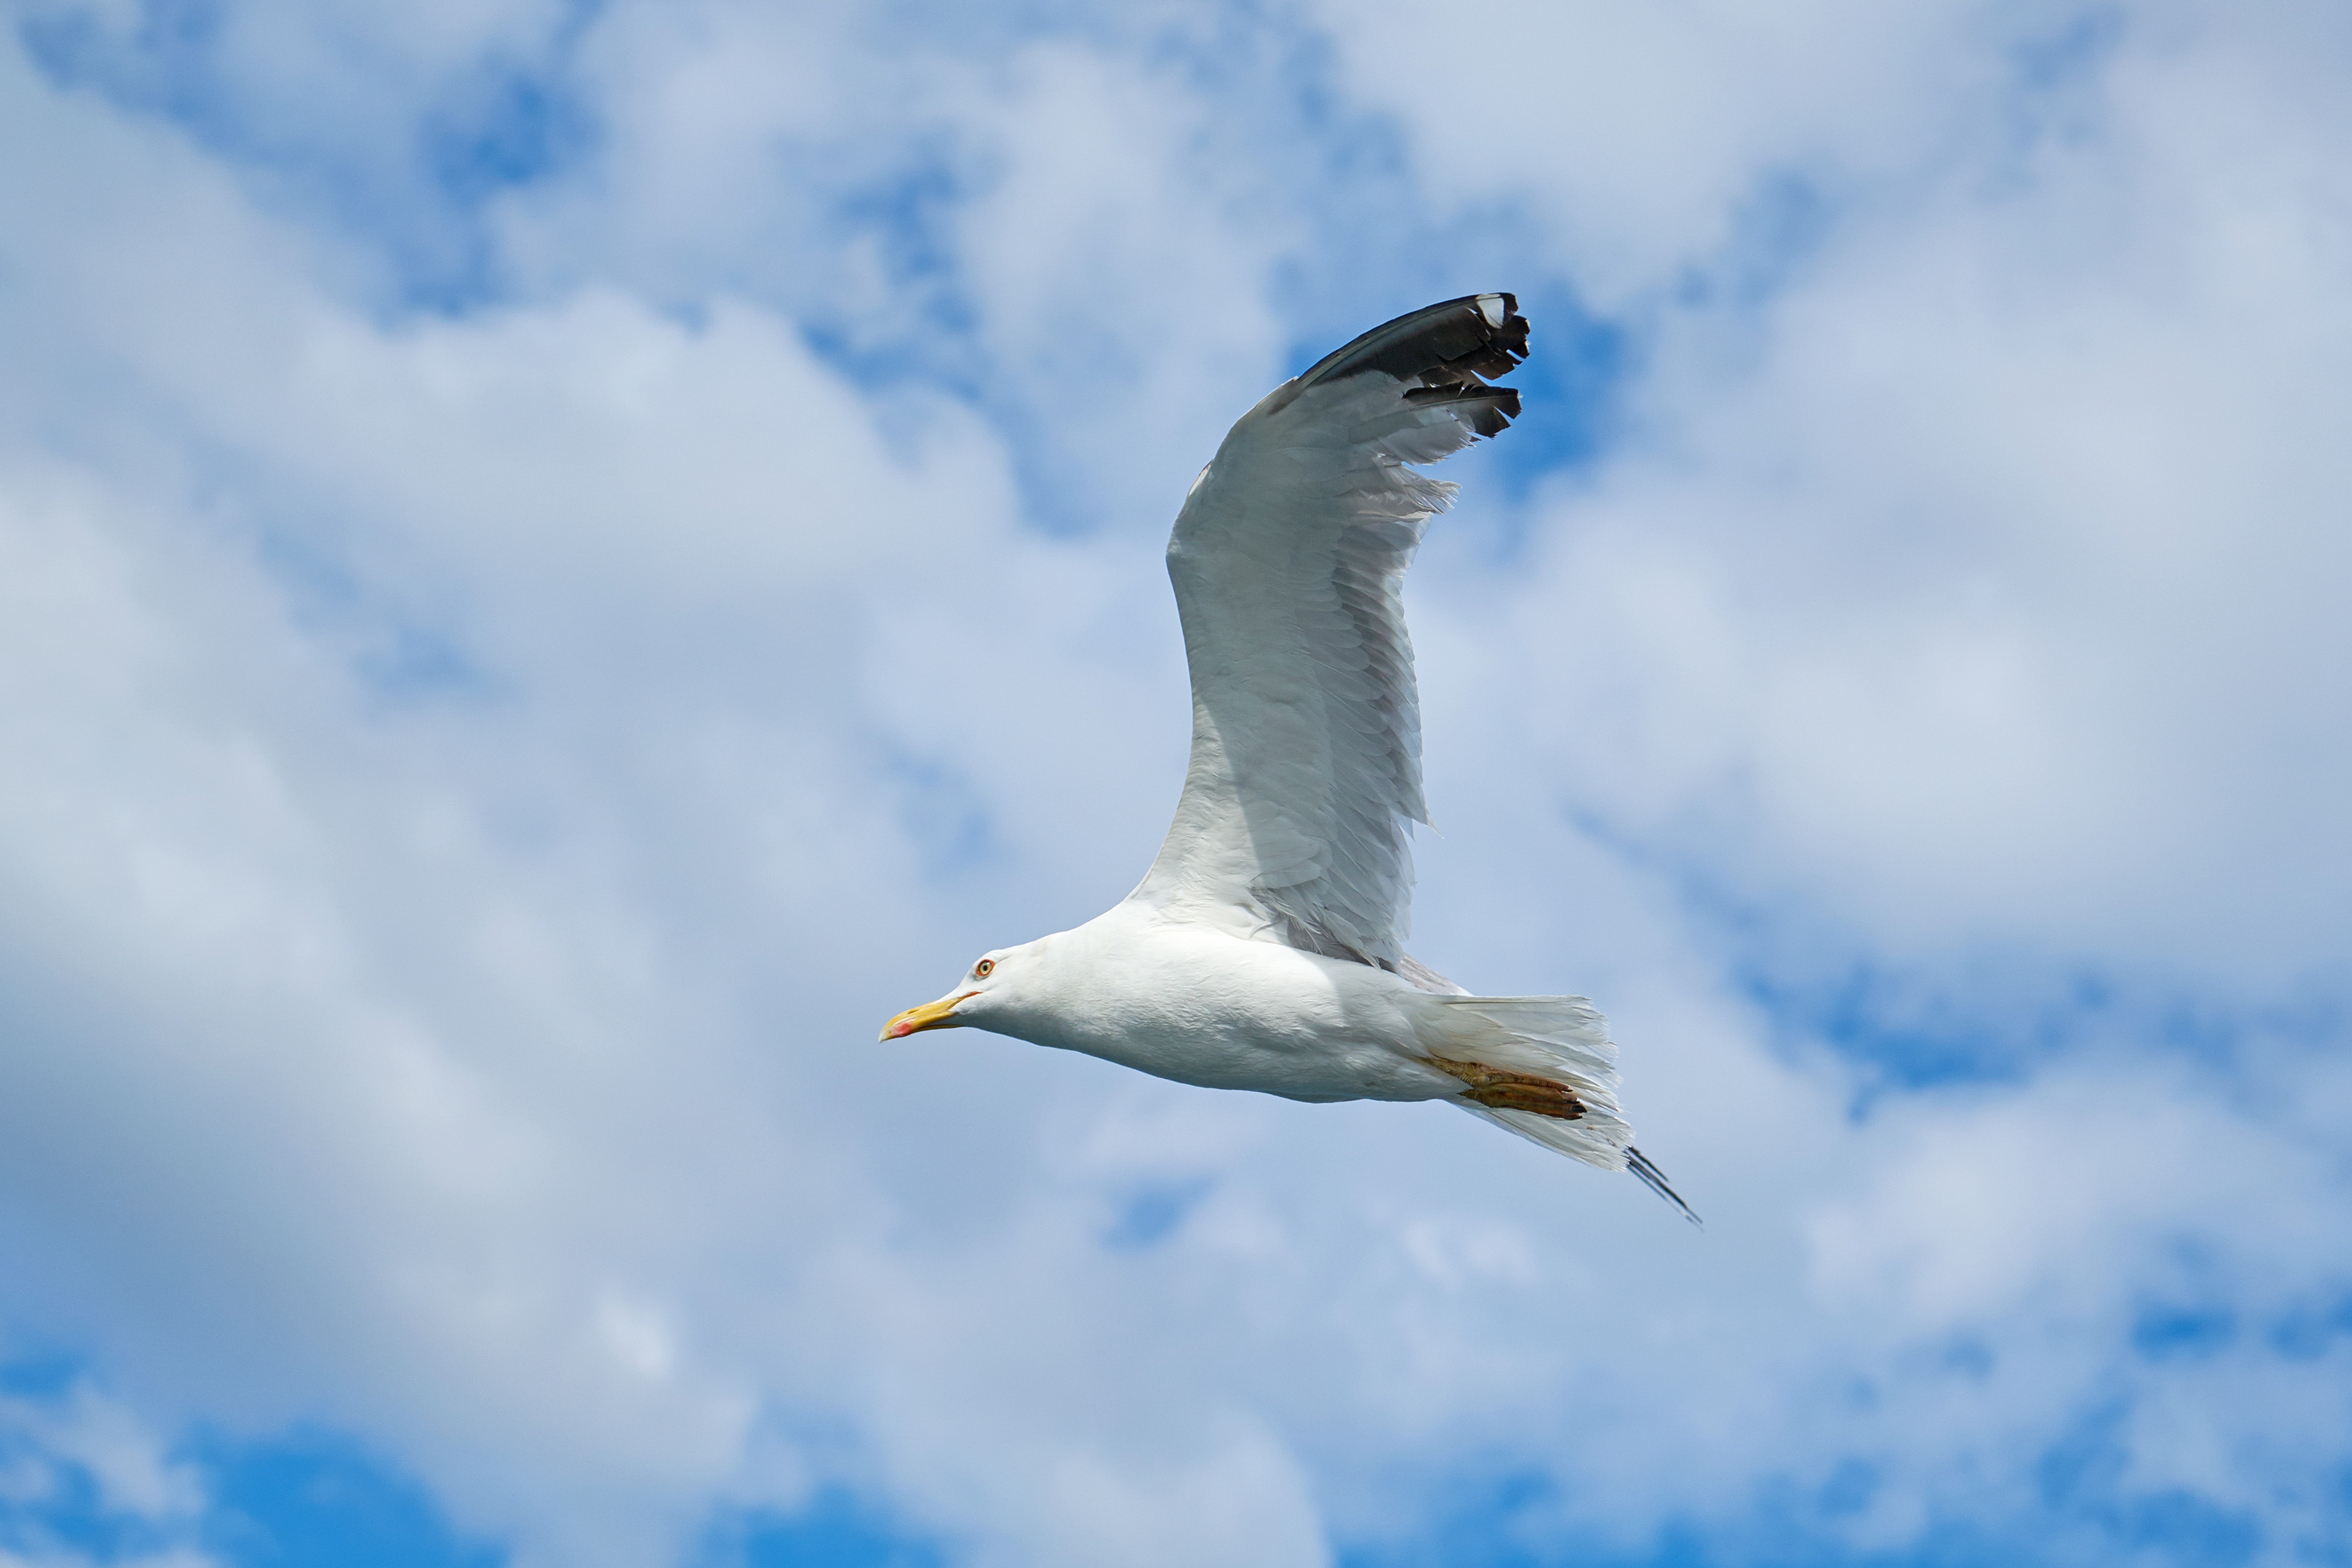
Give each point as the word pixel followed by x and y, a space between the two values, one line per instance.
pixel 1288 561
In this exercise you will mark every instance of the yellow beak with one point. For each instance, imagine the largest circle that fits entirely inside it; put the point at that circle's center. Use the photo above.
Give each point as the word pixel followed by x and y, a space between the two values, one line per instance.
pixel 939 1014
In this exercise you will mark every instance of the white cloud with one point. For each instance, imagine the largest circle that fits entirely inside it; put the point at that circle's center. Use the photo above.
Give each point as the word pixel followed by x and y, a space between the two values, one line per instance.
pixel 1972 582
pixel 473 781
pixel 53 1447
pixel 87 1431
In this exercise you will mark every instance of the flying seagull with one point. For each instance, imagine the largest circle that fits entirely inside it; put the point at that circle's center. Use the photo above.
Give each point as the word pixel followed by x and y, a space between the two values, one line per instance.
pixel 1263 949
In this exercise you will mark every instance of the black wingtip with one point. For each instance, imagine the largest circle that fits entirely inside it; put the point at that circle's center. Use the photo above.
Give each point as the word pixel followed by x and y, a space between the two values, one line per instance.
pixel 1494 407
pixel 1453 343
pixel 1655 1180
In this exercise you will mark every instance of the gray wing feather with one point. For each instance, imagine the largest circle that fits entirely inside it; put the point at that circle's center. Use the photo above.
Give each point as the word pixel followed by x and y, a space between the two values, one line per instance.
pixel 1289 561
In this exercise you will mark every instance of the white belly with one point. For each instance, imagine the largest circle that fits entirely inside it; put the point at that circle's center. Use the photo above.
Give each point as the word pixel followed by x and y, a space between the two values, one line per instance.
pixel 1200 1006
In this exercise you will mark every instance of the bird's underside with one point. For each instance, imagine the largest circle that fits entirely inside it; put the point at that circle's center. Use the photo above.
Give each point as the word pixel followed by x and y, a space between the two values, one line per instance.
pixel 1288 560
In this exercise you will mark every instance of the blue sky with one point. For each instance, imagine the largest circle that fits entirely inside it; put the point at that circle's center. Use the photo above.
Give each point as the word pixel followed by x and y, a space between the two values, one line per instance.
pixel 559 562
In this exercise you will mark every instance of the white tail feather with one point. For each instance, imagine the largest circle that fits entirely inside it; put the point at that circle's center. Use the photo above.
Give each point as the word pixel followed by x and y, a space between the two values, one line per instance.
pixel 1562 1038
pixel 1595 1138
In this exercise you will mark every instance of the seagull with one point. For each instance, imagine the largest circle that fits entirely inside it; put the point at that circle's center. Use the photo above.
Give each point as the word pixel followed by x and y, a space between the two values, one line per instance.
pixel 1263 949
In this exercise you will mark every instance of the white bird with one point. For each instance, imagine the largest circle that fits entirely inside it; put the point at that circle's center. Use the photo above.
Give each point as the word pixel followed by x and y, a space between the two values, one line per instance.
pixel 1263 949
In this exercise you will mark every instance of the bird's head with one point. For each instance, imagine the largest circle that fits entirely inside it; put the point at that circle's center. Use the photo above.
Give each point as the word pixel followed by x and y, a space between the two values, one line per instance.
pixel 984 997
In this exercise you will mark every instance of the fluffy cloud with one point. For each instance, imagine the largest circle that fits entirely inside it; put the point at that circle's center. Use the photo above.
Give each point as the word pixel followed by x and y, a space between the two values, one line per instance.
pixel 82 1453
pixel 557 568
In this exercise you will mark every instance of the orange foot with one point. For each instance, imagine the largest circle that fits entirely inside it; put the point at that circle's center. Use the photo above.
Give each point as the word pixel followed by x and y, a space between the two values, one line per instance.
pixel 1505 1090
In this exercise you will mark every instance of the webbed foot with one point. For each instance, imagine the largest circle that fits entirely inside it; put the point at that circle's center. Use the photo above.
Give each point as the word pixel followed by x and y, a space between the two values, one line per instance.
pixel 1502 1090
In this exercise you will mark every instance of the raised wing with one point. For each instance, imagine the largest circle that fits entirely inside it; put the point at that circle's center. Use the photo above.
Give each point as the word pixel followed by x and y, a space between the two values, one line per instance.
pixel 1288 559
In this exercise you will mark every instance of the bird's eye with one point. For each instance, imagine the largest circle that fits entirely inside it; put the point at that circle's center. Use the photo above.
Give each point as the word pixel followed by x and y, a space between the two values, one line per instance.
pixel 984 968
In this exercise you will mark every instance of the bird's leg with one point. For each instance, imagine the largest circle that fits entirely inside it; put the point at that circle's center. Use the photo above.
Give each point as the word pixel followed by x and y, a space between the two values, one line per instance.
pixel 1505 1090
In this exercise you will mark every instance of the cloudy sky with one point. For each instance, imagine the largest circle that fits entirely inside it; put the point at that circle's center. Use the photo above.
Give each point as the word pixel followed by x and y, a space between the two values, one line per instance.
pixel 561 561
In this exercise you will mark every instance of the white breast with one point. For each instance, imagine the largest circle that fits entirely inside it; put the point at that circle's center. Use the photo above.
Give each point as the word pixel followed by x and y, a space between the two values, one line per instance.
pixel 1199 1006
